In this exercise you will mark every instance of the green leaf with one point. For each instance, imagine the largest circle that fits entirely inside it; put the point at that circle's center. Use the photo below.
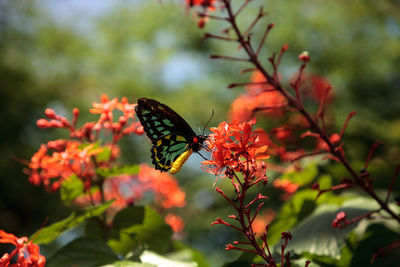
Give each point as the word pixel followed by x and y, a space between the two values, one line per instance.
pixel 50 233
pixel 111 172
pixel 138 227
pixel 315 235
pixel 191 254
pixel 377 236
pixel 71 188
pixel 296 209
pixel 92 228
pixel 303 177
pixel 244 260
pixel 104 155
pixel 83 252
pixel 161 261
pixel 128 217
pixel 129 264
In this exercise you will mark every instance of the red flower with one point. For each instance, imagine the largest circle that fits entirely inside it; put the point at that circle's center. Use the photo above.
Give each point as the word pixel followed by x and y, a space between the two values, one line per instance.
pixel 27 252
pixel 236 146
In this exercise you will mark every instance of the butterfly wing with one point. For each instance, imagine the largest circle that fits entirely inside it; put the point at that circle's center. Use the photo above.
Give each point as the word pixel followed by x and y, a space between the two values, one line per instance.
pixel 167 149
pixel 159 120
pixel 170 134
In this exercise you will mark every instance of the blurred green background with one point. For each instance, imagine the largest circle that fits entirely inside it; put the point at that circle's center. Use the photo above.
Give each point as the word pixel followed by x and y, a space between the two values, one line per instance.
pixel 65 54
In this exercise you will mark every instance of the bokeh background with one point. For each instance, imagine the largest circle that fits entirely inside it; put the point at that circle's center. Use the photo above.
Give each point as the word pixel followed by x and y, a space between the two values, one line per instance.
pixel 65 54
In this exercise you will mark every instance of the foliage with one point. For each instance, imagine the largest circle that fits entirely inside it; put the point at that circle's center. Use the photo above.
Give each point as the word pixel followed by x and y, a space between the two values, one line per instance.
pixel 305 179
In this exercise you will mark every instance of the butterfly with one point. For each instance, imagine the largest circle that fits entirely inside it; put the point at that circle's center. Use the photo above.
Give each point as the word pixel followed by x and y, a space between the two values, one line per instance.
pixel 172 138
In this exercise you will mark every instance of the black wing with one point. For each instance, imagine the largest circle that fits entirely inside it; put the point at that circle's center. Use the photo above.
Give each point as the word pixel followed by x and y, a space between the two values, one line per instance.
pixel 159 120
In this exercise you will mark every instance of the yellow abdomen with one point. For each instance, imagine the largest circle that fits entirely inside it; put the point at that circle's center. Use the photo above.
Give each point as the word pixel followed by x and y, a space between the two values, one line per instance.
pixel 177 164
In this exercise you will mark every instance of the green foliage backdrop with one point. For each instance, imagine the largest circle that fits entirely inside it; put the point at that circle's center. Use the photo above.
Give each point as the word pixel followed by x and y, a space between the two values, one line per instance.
pixel 138 49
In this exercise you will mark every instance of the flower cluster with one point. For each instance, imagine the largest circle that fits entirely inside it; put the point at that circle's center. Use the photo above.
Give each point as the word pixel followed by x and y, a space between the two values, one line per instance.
pixel 205 5
pixel 26 252
pixel 125 124
pixel 235 146
pixel 128 189
pixel 57 160
pixel 176 222
pixel 239 151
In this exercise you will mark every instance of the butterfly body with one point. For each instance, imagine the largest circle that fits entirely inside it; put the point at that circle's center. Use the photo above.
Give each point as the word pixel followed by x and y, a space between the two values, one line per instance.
pixel 172 138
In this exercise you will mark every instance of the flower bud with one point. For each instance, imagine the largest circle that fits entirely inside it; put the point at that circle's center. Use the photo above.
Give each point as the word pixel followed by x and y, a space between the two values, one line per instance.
pixel 50 113
pixel 304 56
pixel 42 123
pixel 55 124
pixel 75 111
pixel 122 120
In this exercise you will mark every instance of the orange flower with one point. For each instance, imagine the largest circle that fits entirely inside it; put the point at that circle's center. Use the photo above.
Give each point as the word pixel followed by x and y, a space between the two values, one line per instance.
pixel 165 187
pixel 261 221
pixel 128 189
pixel 259 95
pixel 287 186
pixel 176 222
pixel 126 123
pixel 68 158
pixel 236 146
pixel 27 252
pixel 105 108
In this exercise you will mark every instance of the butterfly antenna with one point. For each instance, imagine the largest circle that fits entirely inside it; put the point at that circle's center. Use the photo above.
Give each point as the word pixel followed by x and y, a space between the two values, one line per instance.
pixel 205 126
pixel 202 156
pixel 206 148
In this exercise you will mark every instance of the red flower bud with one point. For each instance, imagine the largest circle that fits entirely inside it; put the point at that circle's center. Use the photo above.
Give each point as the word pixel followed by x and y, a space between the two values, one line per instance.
pixel 286 235
pixel 42 123
pixel 315 186
pixel 58 145
pixel 229 247
pixel 75 111
pixel 55 124
pixel 304 56
pixel 65 122
pixel 122 120
pixel 50 113
pixel 340 219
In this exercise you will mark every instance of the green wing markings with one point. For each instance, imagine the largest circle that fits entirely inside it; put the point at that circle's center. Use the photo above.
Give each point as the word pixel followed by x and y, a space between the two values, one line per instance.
pixel 167 149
